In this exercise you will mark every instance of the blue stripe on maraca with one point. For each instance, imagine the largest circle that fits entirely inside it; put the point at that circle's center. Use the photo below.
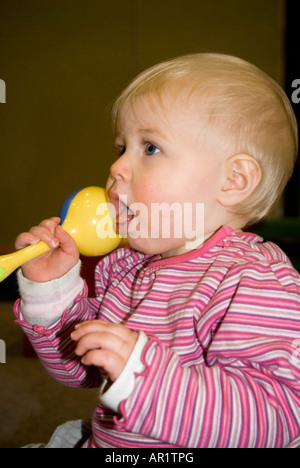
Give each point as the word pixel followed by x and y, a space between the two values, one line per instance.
pixel 65 208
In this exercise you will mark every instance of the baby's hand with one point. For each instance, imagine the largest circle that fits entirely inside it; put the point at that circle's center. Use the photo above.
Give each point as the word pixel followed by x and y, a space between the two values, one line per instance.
pixel 58 261
pixel 105 345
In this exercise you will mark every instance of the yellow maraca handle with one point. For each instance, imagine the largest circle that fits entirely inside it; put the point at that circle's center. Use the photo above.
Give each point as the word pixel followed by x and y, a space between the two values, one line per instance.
pixel 10 262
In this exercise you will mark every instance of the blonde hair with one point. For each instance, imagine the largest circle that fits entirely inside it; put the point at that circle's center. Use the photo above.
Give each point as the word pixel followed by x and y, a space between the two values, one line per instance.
pixel 244 102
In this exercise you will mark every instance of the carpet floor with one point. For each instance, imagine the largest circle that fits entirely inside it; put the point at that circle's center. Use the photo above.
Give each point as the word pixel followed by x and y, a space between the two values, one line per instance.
pixel 32 404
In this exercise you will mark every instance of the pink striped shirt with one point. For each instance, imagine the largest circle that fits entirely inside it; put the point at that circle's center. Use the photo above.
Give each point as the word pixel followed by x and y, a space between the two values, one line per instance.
pixel 222 365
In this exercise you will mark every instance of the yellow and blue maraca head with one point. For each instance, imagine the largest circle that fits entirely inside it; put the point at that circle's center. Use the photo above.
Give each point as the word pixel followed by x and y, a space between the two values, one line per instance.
pixel 86 217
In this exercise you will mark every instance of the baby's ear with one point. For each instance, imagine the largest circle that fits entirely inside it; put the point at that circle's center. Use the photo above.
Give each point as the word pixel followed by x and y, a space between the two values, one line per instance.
pixel 242 175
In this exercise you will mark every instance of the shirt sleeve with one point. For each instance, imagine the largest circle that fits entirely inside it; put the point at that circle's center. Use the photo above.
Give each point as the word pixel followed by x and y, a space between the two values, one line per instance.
pixel 48 313
pixel 44 303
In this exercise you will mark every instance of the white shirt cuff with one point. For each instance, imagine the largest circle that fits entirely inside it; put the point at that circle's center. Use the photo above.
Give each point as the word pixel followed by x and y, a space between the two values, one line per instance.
pixel 123 386
pixel 44 303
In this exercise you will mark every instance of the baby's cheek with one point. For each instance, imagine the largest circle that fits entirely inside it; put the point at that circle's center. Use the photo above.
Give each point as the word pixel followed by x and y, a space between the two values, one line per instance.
pixel 147 192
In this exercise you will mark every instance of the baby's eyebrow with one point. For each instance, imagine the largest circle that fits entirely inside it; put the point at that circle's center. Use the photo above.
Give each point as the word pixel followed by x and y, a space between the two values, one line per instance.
pixel 148 130
pixel 152 131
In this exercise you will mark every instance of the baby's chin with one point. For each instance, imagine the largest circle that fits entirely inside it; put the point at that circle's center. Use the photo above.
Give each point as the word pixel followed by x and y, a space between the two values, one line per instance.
pixel 163 247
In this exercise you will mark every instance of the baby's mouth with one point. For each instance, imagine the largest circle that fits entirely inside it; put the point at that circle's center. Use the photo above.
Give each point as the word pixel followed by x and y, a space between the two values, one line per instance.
pixel 123 215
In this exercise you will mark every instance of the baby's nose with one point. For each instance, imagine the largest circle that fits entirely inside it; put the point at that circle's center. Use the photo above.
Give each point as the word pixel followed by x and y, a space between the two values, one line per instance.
pixel 121 169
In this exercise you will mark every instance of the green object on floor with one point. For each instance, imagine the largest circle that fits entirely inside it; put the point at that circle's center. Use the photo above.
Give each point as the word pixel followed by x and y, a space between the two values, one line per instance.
pixel 2 273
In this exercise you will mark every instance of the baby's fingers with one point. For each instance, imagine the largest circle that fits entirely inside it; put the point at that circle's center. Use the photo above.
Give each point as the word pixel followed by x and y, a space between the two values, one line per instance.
pixel 44 231
pixel 103 350
pixel 110 363
pixel 97 340
pixel 25 239
pixel 50 224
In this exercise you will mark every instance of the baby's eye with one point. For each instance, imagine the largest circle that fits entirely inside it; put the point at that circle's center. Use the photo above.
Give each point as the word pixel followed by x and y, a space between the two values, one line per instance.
pixel 120 150
pixel 151 149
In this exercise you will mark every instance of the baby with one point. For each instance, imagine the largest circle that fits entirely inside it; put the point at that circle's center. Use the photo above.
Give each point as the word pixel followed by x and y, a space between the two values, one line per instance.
pixel 192 336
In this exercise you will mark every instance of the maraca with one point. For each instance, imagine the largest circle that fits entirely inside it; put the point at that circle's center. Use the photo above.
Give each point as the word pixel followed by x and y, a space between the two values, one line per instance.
pixel 85 216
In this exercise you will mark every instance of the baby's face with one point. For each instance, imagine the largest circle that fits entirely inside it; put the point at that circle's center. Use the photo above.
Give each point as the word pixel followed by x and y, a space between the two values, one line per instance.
pixel 165 173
